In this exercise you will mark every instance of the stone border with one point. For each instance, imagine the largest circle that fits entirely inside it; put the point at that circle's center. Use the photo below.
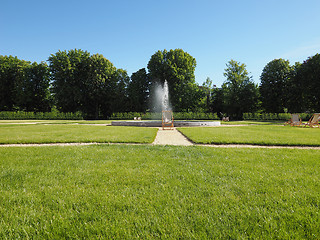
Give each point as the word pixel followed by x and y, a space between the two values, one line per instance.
pixel 135 123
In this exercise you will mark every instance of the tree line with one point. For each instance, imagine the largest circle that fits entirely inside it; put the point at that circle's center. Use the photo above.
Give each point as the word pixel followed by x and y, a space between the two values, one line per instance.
pixel 77 81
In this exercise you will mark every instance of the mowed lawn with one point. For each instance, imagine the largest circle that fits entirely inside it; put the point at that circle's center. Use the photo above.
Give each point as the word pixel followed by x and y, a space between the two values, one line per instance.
pixel 259 135
pixel 158 192
pixel 69 133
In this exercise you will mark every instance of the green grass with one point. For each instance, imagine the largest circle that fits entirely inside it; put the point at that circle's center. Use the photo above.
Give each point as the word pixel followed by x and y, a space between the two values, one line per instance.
pixel 63 133
pixel 259 135
pixel 148 192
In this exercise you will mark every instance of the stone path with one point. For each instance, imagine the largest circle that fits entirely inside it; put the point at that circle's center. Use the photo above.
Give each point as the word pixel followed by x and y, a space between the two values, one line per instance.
pixel 171 137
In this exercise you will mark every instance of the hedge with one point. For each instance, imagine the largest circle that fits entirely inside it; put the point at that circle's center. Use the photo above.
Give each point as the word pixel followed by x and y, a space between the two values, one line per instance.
pixel 54 115
pixel 274 116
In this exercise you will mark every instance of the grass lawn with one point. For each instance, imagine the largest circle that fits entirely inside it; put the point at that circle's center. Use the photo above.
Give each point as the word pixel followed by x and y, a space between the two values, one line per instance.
pixel 156 192
pixel 260 135
pixel 60 133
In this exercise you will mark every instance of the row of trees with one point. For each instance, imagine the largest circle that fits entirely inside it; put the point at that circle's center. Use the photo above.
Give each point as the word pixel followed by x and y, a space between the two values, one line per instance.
pixel 75 80
pixel 294 88
pixel 283 88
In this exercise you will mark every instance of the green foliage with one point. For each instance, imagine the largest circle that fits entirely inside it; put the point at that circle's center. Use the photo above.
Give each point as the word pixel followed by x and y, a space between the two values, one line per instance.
pixel 87 83
pixel 217 100
pixel 126 115
pixel 205 102
pixel 275 83
pixel 294 91
pixel 53 115
pixel 150 192
pixel 100 87
pixel 12 75
pixel 307 81
pixel 240 94
pixel 120 95
pixel 23 86
pixel 266 116
pixel 69 75
pixel 274 116
pixel 35 94
pixel 177 67
pixel 77 81
pixel 195 116
pixel 138 91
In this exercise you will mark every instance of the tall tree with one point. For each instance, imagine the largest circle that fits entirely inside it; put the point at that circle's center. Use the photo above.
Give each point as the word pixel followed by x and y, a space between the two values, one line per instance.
pixel 177 67
pixel 240 92
pixel 138 91
pixel 274 85
pixel 119 93
pixel 35 90
pixel 23 86
pixel 308 81
pixel 295 91
pixel 205 103
pixel 69 72
pixel 99 87
pixel 12 75
pixel 217 101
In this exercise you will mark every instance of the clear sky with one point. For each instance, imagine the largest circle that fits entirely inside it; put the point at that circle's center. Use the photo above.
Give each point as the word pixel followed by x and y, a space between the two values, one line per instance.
pixel 129 32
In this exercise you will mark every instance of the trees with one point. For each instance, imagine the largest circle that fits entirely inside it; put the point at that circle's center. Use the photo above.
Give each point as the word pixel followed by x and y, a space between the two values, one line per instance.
pixel 205 102
pixel 35 94
pixel 100 85
pixel 23 86
pixel 177 67
pixel 217 100
pixel 294 91
pixel 138 91
pixel 307 81
pixel 69 74
pixel 240 94
pixel 275 83
pixel 92 85
pixel 294 87
pixel 119 92
pixel 87 83
pixel 12 73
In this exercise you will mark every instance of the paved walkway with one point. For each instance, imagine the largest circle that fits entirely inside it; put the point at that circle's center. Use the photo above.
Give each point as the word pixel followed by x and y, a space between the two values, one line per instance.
pixel 171 137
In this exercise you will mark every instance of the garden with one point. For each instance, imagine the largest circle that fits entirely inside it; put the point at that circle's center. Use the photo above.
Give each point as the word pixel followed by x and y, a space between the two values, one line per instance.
pixel 123 187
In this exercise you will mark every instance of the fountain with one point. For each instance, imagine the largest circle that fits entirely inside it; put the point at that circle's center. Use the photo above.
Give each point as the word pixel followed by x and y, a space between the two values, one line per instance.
pixel 167 115
pixel 162 98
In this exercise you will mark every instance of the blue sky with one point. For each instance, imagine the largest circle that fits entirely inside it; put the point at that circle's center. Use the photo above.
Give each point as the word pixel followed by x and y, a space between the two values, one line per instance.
pixel 128 32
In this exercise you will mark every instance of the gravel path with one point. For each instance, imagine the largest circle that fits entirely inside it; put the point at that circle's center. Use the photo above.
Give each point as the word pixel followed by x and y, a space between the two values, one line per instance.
pixel 171 137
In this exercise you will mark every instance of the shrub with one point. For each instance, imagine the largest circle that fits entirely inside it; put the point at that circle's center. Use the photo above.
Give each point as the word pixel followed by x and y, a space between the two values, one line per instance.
pixel 54 115
pixel 274 116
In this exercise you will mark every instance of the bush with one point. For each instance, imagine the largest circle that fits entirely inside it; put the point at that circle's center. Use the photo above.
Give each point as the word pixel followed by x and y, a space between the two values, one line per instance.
pixel 54 115
pixel 274 116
